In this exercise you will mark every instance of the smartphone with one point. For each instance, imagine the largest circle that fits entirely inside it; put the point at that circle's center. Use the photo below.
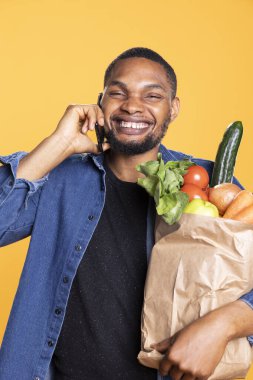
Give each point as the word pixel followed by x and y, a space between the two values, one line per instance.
pixel 100 136
pixel 98 129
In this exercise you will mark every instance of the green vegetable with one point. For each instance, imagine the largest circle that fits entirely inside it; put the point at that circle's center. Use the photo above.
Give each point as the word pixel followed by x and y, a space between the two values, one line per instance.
pixel 163 182
pixel 226 155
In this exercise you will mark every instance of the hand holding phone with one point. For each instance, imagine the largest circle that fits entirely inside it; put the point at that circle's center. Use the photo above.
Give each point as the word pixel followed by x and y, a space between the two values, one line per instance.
pixel 75 125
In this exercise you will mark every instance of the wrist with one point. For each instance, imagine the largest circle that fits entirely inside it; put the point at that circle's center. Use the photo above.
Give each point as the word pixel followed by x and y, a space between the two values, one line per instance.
pixel 64 143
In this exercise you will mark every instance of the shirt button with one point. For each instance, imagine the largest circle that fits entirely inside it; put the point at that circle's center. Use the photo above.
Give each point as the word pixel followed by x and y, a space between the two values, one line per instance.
pixel 10 183
pixel 50 343
pixel 65 279
pixel 36 378
pixel 78 247
pixel 90 217
pixel 58 311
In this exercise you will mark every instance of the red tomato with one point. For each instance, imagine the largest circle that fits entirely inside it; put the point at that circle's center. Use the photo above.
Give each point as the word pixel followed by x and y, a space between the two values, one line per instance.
pixel 194 192
pixel 196 175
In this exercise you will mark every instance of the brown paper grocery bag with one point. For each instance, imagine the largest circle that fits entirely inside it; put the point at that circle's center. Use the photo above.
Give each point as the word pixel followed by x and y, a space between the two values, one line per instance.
pixel 197 265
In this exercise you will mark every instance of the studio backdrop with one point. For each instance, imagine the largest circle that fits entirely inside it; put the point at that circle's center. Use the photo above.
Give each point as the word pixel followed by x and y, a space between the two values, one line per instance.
pixel 54 52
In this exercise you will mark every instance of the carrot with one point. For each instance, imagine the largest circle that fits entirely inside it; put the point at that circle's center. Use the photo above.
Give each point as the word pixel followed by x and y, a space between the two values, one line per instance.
pixel 246 215
pixel 242 200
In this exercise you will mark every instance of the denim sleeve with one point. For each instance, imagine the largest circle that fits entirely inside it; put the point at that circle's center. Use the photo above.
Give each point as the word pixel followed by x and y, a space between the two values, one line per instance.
pixel 18 200
pixel 236 182
pixel 248 299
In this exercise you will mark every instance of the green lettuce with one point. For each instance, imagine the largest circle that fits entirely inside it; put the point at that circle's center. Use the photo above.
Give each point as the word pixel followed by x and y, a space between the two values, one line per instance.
pixel 163 182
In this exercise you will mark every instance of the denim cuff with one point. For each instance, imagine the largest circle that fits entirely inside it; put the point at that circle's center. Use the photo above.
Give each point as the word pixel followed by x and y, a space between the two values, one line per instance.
pixel 248 299
pixel 12 182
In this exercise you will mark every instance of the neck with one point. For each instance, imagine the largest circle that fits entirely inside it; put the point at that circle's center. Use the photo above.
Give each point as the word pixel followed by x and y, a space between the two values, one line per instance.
pixel 123 166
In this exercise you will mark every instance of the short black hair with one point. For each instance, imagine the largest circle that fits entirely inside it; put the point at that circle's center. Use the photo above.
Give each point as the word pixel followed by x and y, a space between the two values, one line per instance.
pixel 142 52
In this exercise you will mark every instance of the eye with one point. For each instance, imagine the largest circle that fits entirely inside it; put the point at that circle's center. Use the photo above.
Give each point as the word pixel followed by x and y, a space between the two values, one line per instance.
pixel 116 94
pixel 154 96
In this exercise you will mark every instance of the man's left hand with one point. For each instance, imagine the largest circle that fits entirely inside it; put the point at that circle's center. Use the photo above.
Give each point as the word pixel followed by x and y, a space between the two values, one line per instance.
pixel 195 351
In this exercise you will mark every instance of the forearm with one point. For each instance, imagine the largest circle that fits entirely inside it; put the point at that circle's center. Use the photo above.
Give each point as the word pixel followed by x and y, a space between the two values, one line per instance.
pixel 235 318
pixel 45 157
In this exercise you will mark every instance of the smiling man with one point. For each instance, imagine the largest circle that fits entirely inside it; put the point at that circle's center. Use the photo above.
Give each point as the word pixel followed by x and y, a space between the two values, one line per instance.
pixel 138 104
pixel 78 306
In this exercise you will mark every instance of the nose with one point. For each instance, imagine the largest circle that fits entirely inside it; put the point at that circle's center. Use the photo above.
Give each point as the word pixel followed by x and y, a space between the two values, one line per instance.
pixel 132 105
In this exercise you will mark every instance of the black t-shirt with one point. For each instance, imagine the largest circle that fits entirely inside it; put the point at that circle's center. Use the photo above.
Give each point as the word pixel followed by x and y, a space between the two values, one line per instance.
pixel 100 337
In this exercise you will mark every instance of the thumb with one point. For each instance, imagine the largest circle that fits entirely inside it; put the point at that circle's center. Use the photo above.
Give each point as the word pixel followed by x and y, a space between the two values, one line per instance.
pixel 162 346
pixel 165 344
pixel 105 146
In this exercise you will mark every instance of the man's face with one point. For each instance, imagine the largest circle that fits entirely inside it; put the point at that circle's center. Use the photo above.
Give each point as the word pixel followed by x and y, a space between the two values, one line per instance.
pixel 137 105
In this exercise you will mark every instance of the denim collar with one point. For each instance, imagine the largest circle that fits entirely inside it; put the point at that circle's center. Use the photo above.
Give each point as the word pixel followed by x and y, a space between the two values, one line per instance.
pixel 167 155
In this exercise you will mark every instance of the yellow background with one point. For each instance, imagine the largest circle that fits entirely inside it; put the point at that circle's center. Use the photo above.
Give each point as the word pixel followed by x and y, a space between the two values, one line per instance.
pixel 55 52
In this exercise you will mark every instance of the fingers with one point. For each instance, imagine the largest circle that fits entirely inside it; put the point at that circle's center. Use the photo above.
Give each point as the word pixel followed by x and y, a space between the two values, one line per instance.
pixel 175 373
pixel 77 120
pixel 96 150
pixel 178 365
pixel 179 371
pixel 93 114
pixel 165 366
pixel 87 115
pixel 84 128
pixel 100 117
pixel 187 376
pixel 106 146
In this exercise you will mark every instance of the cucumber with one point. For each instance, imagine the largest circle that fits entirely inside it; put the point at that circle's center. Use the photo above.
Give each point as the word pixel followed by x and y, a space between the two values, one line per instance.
pixel 226 155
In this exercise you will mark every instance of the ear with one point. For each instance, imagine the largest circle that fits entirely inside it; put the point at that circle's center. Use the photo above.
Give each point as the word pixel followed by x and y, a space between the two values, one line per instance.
pixel 175 107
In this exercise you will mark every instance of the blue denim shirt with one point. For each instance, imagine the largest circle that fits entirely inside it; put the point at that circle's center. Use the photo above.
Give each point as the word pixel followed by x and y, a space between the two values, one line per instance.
pixel 61 212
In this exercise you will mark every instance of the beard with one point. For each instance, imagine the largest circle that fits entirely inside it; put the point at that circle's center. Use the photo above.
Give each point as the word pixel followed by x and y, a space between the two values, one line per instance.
pixel 131 148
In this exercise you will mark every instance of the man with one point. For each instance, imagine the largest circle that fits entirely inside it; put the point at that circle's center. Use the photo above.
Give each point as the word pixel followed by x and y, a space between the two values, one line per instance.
pixel 79 300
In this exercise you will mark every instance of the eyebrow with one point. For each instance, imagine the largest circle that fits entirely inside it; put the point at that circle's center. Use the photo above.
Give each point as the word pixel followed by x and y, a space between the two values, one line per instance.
pixel 123 85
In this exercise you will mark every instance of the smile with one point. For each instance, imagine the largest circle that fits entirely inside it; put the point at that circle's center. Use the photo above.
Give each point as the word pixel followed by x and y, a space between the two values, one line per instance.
pixel 129 124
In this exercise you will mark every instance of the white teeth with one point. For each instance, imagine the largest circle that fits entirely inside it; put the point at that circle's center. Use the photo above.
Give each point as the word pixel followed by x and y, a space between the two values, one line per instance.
pixel 126 124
